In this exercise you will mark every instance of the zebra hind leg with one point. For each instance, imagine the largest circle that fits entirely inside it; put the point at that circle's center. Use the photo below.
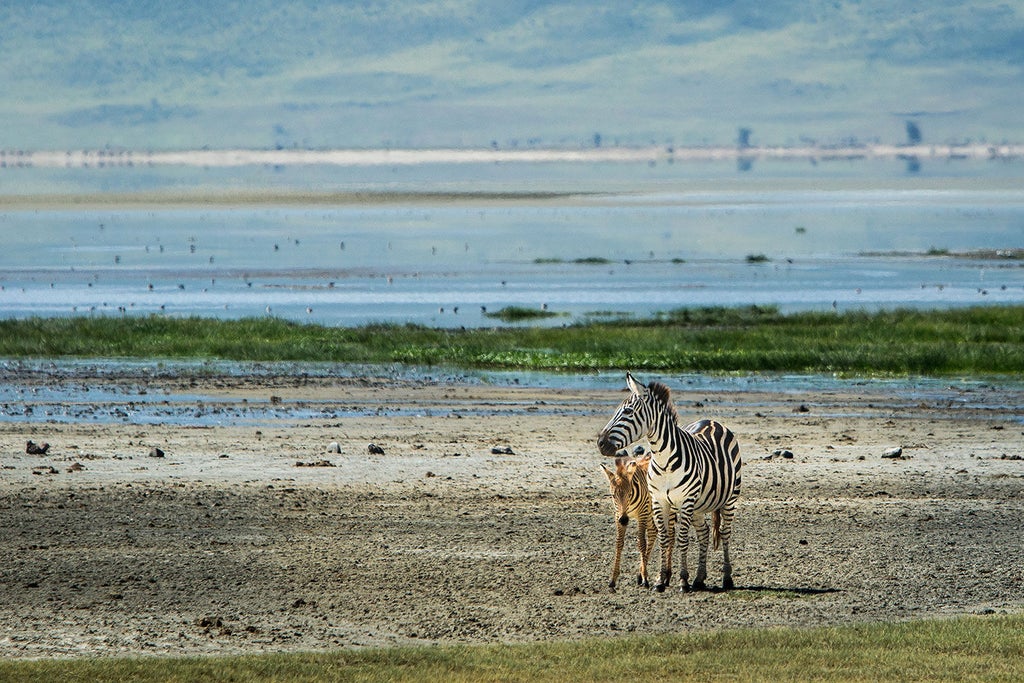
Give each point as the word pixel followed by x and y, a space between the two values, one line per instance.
pixel 727 583
pixel 703 535
pixel 724 534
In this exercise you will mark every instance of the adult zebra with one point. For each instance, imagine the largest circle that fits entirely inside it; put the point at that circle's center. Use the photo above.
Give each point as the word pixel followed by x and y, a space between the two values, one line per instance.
pixel 694 470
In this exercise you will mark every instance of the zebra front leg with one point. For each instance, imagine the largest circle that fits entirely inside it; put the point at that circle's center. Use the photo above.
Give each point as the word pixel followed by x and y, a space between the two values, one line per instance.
pixel 700 523
pixel 620 536
pixel 683 521
pixel 664 518
pixel 645 542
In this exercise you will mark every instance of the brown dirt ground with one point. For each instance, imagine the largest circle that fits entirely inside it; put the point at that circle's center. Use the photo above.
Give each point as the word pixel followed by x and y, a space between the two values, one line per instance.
pixel 226 545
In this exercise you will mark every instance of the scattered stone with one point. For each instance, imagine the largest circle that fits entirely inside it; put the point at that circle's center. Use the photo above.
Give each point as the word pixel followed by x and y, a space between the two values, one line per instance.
pixel 430 474
pixel 334 447
pixel 1007 456
pixel 894 453
pixel 48 469
pixel 502 450
pixel 275 400
pixel 76 467
pixel 783 453
pixel 802 408
pixel 223 456
pixel 155 452
pixel 33 448
pixel 316 463
pixel 374 449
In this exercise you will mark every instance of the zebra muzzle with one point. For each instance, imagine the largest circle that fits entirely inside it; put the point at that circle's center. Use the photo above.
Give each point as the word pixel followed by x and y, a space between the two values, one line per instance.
pixel 607 448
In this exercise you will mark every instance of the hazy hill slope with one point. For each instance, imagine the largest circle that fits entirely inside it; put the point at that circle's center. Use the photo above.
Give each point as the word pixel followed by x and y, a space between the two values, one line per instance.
pixel 262 73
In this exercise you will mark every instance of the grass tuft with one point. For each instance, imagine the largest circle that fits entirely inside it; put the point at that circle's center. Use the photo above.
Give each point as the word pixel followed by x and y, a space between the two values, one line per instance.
pixel 513 314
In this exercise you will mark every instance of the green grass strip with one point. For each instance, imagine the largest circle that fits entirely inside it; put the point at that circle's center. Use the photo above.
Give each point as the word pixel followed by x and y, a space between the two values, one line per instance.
pixel 970 341
pixel 987 648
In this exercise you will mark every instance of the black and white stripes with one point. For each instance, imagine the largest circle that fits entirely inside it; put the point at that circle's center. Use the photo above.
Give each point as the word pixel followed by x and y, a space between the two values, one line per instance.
pixel 694 471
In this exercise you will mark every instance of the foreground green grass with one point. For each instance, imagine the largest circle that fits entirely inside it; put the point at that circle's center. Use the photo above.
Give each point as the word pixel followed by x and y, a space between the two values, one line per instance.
pixel 973 341
pixel 966 649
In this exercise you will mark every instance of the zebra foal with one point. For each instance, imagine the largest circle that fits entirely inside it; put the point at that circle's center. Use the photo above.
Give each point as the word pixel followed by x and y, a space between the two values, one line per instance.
pixel 632 498
pixel 693 471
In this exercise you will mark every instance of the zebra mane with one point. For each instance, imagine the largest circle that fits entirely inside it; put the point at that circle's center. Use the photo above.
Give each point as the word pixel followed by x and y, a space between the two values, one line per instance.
pixel 664 396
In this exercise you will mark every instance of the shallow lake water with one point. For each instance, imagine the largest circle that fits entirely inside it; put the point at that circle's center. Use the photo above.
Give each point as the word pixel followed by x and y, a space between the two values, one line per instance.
pixel 130 392
pixel 620 242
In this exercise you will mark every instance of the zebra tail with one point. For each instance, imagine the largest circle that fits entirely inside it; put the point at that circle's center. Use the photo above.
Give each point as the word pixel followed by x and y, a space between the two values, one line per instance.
pixel 716 529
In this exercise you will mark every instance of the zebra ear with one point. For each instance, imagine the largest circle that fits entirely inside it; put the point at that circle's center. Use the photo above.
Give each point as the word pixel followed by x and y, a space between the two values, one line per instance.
pixel 608 472
pixel 631 383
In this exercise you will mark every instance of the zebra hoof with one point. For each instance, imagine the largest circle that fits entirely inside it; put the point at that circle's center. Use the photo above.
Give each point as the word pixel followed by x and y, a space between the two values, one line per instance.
pixel 611 584
pixel 699 586
pixel 660 587
pixel 727 584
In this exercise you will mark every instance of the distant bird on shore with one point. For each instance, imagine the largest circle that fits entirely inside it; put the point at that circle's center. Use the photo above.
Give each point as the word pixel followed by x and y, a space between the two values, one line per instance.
pixel 33 448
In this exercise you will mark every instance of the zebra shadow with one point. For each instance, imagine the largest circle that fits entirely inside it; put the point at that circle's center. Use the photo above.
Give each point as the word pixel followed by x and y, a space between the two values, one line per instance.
pixel 779 591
